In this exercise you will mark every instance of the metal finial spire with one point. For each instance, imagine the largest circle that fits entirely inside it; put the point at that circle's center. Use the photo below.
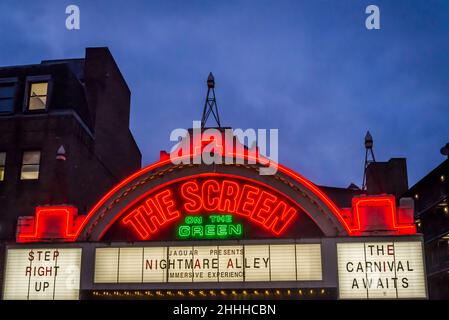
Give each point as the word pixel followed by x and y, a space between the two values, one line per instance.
pixel 211 81
pixel 368 150
pixel 210 105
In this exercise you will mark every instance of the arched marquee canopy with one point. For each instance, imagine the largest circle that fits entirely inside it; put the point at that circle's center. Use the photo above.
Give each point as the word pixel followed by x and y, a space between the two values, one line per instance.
pixel 284 204
pixel 286 184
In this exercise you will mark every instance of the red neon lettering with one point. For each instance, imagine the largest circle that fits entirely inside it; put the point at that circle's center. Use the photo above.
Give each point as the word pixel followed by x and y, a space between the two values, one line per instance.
pixel 258 204
pixel 153 214
pixel 280 218
pixel 264 206
pixel 247 200
pixel 192 201
pixel 211 192
pixel 136 220
pixel 227 196
pixel 167 205
pixel 229 193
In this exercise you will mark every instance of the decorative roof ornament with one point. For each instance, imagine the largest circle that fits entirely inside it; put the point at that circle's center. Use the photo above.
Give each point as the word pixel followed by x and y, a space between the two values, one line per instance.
pixel 210 106
pixel 368 151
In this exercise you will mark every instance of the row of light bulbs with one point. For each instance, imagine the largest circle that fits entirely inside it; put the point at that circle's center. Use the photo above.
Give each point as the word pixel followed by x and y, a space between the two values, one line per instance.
pixel 209 293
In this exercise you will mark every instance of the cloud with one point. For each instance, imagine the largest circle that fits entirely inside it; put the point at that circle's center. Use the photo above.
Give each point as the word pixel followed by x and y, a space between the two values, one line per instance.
pixel 309 68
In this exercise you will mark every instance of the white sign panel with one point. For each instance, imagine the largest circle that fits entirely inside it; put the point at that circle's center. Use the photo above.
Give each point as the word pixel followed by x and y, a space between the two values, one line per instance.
pixel 275 262
pixel 42 274
pixel 381 270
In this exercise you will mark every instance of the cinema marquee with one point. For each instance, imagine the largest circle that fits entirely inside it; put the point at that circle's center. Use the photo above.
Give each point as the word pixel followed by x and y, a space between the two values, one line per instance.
pixel 197 231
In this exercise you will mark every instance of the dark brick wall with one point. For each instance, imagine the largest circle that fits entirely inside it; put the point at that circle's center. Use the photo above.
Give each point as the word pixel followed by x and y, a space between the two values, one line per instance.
pixel 81 182
pixel 387 177
pixel 89 116
pixel 108 97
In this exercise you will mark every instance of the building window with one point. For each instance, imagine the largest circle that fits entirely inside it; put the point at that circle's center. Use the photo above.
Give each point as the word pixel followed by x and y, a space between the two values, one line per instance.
pixel 30 165
pixel 37 98
pixel 2 165
pixel 7 93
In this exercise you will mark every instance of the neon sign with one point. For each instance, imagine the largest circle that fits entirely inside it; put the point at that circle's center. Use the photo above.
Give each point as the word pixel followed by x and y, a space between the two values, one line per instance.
pixel 211 227
pixel 247 199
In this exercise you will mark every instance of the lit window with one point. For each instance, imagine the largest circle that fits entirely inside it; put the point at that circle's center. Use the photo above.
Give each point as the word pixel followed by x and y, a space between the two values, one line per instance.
pixel 30 165
pixel 2 165
pixel 7 97
pixel 37 99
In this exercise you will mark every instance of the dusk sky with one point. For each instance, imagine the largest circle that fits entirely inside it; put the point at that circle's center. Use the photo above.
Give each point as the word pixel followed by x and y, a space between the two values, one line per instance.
pixel 309 68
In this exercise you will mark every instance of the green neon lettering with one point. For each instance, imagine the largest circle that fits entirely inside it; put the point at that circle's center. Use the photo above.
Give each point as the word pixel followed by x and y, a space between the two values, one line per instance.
pixel 209 230
pixel 197 231
pixel 235 229
pixel 183 231
pixel 222 230
pixel 219 226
